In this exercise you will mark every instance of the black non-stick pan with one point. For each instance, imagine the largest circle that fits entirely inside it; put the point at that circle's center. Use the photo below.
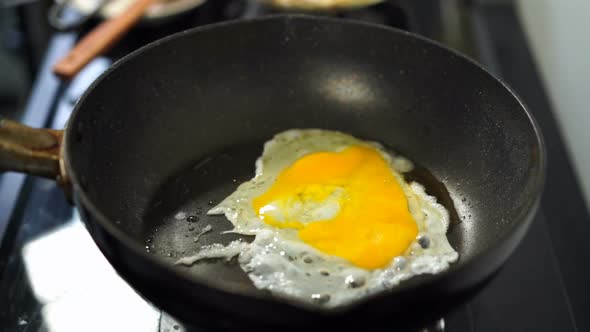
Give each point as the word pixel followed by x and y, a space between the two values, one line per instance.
pixel 178 124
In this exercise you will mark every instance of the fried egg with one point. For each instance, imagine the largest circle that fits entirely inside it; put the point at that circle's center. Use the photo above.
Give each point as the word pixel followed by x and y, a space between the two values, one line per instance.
pixel 333 219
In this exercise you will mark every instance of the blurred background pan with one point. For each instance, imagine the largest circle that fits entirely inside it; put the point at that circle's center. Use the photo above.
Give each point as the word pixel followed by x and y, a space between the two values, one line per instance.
pixel 160 12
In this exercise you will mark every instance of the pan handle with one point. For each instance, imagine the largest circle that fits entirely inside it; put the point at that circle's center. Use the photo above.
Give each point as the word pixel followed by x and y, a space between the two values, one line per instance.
pixel 32 151
pixel 100 39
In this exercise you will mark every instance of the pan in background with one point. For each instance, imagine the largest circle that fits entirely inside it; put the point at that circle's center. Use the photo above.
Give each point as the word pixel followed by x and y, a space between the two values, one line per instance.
pixel 159 13
pixel 319 5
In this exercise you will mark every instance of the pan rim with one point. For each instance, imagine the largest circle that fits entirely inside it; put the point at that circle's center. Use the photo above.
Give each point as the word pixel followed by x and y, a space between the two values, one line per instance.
pixel 523 219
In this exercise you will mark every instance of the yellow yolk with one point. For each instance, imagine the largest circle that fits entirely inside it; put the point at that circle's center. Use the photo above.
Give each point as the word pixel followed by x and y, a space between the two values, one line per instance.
pixel 370 223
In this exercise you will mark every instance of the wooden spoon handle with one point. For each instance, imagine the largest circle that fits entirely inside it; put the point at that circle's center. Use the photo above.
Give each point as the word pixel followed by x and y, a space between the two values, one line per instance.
pixel 100 39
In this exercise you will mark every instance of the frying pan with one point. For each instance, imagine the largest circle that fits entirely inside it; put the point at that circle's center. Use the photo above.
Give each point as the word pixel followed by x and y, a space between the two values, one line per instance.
pixel 124 15
pixel 176 125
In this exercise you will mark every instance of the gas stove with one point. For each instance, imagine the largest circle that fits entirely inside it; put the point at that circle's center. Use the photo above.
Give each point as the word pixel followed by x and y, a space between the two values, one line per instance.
pixel 53 277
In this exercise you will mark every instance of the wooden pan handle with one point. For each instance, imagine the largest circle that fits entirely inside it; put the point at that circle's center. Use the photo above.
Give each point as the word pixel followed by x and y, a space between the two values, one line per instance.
pixel 30 150
pixel 100 39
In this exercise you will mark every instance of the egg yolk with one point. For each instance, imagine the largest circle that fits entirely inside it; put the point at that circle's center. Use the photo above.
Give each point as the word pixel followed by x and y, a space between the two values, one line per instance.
pixel 347 204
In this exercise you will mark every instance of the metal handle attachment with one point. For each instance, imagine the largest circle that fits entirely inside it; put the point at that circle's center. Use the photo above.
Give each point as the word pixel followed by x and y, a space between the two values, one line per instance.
pixel 32 151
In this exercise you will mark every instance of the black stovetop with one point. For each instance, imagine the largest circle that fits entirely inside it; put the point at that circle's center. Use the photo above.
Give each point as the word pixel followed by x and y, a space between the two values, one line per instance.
pixel 53 278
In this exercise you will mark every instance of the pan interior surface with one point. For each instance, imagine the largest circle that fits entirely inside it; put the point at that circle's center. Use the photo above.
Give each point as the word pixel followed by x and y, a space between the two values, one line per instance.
pixel 176 223
pixel 180 123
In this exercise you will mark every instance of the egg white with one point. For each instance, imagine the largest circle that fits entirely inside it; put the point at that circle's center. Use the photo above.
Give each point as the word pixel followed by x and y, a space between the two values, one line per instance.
pixel 278 261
